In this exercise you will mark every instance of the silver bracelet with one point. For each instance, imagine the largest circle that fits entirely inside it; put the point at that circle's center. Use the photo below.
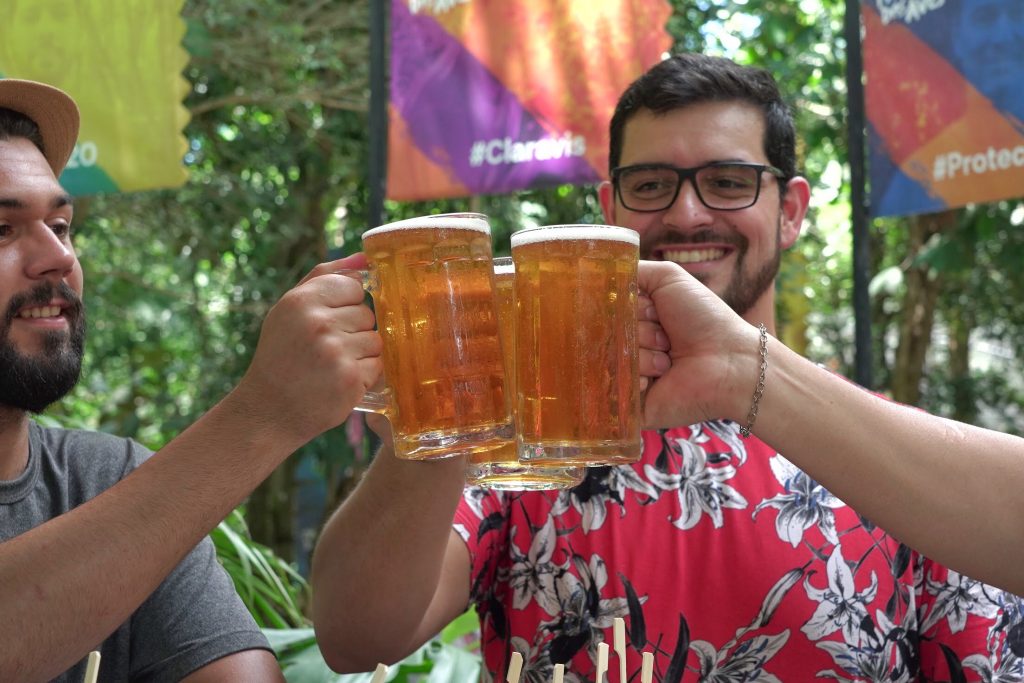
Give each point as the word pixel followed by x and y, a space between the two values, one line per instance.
pixel 759 390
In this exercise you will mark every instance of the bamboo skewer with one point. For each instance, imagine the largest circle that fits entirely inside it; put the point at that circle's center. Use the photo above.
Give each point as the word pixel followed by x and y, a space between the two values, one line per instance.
pixel 515 667
pixel 92 667
pixel 379 674
pixel 602 662
pixel 647 668
pixel 619 631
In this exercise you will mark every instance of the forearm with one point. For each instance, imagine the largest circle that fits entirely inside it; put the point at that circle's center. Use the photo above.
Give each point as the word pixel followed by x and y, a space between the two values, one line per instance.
pixel 381 586
pixel 950 490
pixel 69 583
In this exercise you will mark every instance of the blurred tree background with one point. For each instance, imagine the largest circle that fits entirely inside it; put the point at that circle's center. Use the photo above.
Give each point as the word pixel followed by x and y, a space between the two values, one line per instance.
pixel 178 281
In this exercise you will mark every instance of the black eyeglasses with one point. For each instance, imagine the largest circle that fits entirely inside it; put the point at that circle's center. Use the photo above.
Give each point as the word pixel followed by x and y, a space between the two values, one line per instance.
pixel 723 186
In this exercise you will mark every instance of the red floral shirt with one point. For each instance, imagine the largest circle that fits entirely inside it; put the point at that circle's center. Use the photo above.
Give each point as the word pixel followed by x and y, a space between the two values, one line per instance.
pixel 729 564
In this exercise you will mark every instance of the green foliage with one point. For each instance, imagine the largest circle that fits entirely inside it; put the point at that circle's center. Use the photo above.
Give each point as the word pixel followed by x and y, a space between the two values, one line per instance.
pixel 437 661
pixel 275 593
pixel 270 587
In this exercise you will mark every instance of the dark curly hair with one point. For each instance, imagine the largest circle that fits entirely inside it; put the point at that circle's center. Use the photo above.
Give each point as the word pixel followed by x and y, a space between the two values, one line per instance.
pixel 686 79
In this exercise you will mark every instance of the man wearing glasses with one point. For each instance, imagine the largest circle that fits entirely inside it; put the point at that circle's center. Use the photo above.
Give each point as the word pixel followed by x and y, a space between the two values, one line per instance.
pixel 688 178
pixel 725 561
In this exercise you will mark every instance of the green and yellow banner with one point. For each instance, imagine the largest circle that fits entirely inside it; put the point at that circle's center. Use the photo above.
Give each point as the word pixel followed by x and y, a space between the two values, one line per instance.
pixel 122 62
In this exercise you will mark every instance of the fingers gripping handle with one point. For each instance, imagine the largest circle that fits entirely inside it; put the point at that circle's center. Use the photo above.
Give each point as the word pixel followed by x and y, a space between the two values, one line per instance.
pixel 377 399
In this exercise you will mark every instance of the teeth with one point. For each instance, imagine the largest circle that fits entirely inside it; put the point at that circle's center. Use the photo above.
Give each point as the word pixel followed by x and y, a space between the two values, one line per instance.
pixel 694 255
pixel 41 312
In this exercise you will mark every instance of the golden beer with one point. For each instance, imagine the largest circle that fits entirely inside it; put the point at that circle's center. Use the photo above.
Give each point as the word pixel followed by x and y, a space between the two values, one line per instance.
pixel 433 295
pixel 501 468
pixel 577 367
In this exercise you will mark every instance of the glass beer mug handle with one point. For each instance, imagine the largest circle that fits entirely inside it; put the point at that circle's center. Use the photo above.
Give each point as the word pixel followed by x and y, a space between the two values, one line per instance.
pixel 362 275
pixel 378 398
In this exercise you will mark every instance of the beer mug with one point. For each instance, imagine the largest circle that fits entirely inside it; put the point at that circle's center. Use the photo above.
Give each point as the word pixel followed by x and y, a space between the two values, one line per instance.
pixel 501 468
pixel 432 286
pixel 577 357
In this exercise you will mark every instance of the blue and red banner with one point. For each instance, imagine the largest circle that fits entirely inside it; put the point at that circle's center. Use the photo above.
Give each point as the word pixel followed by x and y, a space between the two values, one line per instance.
pixel 945 103
pixel 492 96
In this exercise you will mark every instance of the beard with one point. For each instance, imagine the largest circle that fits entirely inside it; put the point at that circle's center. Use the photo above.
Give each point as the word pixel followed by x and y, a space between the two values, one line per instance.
pixel 744 290
pixel 31 383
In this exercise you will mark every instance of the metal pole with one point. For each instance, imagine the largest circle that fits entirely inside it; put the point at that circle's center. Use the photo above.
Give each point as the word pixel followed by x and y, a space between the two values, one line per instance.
pixel 378 124
pixel 378 131
pixel 858 201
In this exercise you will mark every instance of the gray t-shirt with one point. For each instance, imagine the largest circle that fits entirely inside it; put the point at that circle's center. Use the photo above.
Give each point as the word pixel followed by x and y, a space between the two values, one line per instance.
pixel 193 618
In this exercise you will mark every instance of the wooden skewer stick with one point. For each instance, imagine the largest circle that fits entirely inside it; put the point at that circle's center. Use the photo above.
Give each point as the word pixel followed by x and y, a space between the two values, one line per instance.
pixel 515 667
pixel 602 662
pixel 92 667
pixel 379 674
pixel 647 668
pixel 559 673
pixel 620 646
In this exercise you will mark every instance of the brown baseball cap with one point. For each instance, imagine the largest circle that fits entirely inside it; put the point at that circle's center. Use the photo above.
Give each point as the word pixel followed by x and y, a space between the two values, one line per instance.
pixel 54 112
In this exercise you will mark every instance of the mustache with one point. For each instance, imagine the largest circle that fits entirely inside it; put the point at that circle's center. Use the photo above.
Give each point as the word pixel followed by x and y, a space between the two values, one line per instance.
pixel 42 294
pixel 701 237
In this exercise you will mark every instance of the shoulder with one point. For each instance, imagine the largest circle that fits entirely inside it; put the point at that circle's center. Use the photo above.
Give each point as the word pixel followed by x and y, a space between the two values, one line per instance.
pixel 92 461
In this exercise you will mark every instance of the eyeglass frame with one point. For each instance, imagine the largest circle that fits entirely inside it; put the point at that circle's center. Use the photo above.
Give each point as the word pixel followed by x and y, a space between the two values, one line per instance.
pixel 684 174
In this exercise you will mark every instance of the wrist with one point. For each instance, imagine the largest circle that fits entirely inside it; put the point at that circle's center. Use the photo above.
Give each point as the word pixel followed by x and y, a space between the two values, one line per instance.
pixel 246 407
pixel 745 386
pixel 762 370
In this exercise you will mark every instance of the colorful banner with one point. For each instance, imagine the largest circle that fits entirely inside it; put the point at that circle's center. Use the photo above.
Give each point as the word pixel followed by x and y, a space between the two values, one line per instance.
pixel 493 96
pixel 945 103
pixel 121 62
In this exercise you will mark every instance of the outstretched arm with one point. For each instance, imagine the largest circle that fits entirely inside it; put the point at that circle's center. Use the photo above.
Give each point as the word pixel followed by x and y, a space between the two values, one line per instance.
pixel 950 490
pixel 388 571
pixel 70 582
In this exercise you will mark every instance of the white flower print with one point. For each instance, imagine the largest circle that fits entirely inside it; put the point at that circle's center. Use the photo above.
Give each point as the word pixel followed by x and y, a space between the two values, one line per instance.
pixel 701 489
pixel 745 665
pixel 603 486
pixel 958 597
pixel 750 657
pixel 532 574
pixel 726 430
pixel 583 615
pixel 475 495
pixel 537 664
pixel 861 664
pixel 805 504
pixel 840 606
pixel 877 658
pixel 995 669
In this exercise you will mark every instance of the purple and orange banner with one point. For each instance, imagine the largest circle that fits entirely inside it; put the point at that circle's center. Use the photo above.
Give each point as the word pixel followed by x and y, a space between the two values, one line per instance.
pixel 492 96
pixel 945 103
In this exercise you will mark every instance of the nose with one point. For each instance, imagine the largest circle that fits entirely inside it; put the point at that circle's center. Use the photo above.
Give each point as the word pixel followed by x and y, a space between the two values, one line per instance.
pixel 47 254
pixel 687 211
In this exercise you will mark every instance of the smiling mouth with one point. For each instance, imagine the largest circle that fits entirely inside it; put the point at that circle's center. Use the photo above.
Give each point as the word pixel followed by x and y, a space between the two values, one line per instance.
pixel 39 312
pixel 683 256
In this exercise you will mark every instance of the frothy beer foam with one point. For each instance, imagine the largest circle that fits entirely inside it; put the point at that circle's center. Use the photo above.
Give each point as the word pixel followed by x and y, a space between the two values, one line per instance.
pixel 503 265
pixel 575 232
pixel 449 221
